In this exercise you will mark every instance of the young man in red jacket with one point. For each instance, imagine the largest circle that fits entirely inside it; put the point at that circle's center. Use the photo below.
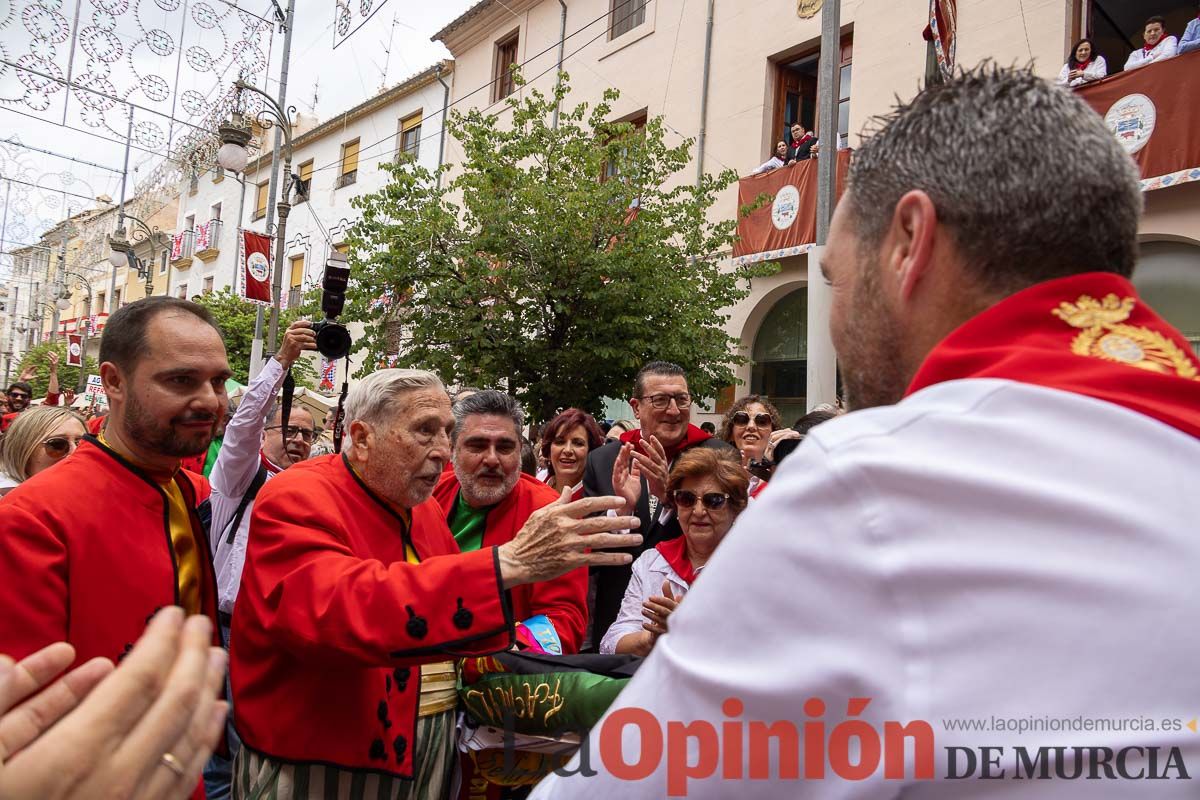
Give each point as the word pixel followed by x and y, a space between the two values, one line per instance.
pixel 355 601
pixel 94 547
pixel 486 499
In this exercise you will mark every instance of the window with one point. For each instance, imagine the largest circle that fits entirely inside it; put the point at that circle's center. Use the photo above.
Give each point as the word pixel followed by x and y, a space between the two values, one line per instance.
pixel 1116 26
pixel 410 137
pixel 189 224
pixel 780 355
pixel 349 173
pixel 639 129
pixel 218 174
pixel 796 95
pixel 215 211
pixel 162 262
pixel 260 201
pixel 100 298
pixel 506 56
pixel 297 278
pixel 304 187
pixel 116 303
pixel 208 284
pixel 625 15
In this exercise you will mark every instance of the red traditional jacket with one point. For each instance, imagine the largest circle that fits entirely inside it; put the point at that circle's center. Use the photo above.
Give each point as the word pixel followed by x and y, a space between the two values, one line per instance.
pixel 86 555
pixel 564 599
pixel 332 621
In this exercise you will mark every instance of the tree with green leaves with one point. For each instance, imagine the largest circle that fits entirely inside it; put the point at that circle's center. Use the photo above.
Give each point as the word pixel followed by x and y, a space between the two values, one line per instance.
pixel 235 316
pixel 68 377
pixel 554 264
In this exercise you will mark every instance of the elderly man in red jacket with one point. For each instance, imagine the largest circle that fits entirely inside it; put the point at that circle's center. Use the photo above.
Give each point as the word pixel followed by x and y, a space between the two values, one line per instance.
pixel 486 499
pixel 94 547
pixel 355 600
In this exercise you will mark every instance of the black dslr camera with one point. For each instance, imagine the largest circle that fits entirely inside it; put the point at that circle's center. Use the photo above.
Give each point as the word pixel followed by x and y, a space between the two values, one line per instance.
pixel 333 340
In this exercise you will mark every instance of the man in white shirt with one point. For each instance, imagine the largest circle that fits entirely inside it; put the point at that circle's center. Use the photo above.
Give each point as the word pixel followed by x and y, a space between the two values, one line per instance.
pixel 977 584
pixel 254 449
pixel 1159 47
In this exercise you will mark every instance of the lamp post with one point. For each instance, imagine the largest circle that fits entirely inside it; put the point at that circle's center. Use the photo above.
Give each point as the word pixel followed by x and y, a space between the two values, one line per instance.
pixel 233 156
pixel 81 384
pixel 121 253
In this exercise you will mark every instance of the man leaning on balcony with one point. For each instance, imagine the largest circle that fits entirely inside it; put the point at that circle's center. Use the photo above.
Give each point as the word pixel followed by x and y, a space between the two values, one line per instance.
pixel 1159 46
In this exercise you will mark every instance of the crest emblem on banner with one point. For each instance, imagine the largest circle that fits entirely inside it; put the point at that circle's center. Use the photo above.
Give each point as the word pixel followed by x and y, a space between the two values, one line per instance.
pixel 785 207
pixel 258 266
pixel 1132 119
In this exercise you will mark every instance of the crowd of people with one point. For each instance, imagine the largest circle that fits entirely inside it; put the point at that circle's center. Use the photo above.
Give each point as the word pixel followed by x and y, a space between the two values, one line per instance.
pixel 927 551
pixel 1085 65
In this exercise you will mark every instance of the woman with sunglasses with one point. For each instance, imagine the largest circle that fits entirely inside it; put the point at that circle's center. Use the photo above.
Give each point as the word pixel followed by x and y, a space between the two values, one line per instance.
pixel 754 427
pixel 38 439
pixel 707 491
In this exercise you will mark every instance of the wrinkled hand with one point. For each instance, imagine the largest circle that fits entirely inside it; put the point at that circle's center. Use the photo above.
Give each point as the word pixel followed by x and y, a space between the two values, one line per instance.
pixel 654 466
pixel 163 698
pixel 562 536
pixel 68 397
pixel 657 609
pixel 28 374
pixel 781 435
pixel 627 480
pixel 297 338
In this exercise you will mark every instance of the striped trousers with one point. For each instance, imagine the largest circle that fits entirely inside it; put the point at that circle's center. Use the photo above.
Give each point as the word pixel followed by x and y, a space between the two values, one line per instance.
pixel 257 777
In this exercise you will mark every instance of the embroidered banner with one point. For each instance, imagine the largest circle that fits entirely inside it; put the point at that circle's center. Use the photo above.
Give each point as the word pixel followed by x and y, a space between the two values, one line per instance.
pixel 328 373
pixel 942 30
pixel 786 225
pixel 74 350
pixel 255 260
pixel 1152 112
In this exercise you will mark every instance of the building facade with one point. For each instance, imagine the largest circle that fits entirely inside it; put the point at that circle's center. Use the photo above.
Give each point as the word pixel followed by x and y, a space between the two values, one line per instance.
pixel 760 73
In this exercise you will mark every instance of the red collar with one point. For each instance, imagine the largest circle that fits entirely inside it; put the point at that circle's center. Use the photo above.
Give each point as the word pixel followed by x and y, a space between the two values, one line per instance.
pixel 269 465
pixel 693 437
pixel 1082 65
pixel 1089 334
pixel 675 552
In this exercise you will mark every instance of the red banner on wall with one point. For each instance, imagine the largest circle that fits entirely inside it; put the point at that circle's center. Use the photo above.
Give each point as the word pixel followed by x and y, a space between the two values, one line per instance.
pixel 1153 113
pixel 942 30
pixel 786 225
pixel 256 267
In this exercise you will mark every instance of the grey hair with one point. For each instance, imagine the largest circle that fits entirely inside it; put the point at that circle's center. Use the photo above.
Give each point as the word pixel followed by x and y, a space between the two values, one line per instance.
pixel 488 401
pixel 371 399
pixel 1027 177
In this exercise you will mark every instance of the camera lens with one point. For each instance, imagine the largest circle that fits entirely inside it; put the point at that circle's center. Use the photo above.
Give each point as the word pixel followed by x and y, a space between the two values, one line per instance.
pixel 333 340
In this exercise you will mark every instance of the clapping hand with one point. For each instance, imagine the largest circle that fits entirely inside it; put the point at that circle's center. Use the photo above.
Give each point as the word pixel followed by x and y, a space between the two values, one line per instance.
pixel 657 609
pixel 627 479
pixel 654 466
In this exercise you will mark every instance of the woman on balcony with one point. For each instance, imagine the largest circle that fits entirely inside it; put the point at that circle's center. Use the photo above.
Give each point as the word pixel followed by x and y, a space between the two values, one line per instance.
pixel 1083 66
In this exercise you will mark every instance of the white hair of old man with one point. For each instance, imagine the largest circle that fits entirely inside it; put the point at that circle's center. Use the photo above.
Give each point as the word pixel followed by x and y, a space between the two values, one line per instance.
pixel 372 398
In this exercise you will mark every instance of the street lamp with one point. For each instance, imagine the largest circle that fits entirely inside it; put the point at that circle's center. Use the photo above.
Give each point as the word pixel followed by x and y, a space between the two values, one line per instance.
pixel 233 156
pixel 121 250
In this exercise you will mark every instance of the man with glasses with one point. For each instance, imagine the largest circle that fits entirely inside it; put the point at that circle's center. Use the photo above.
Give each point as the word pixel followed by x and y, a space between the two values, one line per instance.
pixel 256 447
pixel 20 393
pixel 663 407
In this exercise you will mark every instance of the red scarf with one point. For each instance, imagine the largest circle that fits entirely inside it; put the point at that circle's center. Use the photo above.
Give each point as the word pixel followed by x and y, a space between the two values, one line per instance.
pixel 269 465
pixel 1083 65
pixel 693 437
pixel 1089 334
pixel 675 552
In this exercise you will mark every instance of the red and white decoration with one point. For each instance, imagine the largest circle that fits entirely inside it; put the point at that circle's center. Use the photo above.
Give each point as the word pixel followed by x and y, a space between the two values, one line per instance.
pixel 255 260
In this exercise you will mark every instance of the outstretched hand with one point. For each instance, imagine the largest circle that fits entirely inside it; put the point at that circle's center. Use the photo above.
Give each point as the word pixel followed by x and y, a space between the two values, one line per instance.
pixel 563 536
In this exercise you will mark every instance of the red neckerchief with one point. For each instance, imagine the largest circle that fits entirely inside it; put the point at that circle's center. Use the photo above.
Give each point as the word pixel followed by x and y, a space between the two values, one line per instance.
pixel 693 437
pixel 675 552
pixel 801 140
pixel 1083 65
pixel 269 465
pixel 1150 47
pixel 1089 334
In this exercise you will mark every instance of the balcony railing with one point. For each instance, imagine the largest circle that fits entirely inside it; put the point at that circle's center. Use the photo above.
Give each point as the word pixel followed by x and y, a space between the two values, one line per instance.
pixel 183 246
pixel 208 240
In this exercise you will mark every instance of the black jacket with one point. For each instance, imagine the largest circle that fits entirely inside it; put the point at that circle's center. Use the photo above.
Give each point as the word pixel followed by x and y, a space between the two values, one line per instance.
pixel 802 151
pixel 608 583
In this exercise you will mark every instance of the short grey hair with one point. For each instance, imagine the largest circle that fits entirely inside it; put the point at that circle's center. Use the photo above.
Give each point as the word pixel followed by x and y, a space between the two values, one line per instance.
pixel 1026 176
pixel 371 398
pixel 488 401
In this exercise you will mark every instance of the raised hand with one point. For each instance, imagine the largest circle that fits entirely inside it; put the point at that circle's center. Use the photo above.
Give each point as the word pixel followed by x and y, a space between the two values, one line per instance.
pixel 297 338
pixel 655 466
pixel 563 536
pixel 627 479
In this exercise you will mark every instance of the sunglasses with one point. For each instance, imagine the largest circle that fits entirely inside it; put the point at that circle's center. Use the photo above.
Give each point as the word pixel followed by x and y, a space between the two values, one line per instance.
pixel 761 420
pixel 307 434
pixel 57 447
pixel 19 395
pixel 682 498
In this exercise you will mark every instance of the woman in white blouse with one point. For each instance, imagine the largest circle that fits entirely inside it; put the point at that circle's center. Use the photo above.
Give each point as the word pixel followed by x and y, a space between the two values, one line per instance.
pixel 708 490
pixel 1083 66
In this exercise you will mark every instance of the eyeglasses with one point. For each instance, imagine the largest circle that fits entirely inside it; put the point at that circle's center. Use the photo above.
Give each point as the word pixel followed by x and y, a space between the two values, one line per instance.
pixel 660 402
pixel 761 420
pixel 307 434
pixel 57 447
pixel 19 395
pixel 682 498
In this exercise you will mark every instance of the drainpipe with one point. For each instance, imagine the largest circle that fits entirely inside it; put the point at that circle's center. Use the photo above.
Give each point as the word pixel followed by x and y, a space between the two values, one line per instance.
pixel 442 135
pixel 562 42
pixel 708 31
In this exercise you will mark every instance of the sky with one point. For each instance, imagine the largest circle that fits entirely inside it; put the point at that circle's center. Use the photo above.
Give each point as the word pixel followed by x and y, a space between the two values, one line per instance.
pixel 132 49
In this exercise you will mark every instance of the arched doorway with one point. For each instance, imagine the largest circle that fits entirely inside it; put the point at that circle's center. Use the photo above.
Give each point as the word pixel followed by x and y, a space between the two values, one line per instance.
pixel 780 356
pixel 1168 279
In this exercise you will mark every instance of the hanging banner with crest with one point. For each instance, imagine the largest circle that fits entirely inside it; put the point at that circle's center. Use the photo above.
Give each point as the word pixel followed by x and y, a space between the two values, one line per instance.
pixel 255 261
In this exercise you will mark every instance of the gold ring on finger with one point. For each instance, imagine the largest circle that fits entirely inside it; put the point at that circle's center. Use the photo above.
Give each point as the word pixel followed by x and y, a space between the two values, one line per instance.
pixel 171 762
